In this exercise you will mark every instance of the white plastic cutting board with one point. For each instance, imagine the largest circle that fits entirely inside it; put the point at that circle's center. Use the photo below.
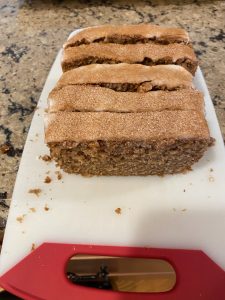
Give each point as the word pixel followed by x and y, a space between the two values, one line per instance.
pixel 175 211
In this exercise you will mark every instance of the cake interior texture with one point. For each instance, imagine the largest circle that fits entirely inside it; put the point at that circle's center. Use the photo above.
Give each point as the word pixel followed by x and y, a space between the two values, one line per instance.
pixel 146 54
pixel 188 64
pixel 128 157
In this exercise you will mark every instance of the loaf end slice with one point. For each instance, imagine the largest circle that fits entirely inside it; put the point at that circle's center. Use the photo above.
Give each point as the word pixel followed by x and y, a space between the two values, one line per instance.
pixel 127 144
pixel 129 34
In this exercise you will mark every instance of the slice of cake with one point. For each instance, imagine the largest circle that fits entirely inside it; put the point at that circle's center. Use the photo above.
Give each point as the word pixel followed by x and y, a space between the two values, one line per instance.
pixel 129 77
pixel 146 54
pixel 103 143
pixel 129 34
pixel 88 98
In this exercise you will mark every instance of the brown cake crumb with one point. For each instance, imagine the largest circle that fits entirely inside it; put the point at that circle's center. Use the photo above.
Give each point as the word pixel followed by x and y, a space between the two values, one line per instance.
pixel 187 170
pixel 59 175
pixel 20 218
pixel 45 157
pixel 47 179
pixel 4 148
pixel 185 209
pixel 118 211
pixel 35 191
pixel 33 247
pixel 184 190
pixel 32 209
pixel 211 170
pixel 46 207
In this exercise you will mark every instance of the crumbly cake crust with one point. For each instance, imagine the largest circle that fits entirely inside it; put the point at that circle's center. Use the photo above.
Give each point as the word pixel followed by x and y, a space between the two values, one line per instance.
pixel 91 126
pixel 94 98
pixel 163 76
pixel 128 34
pixel 147 54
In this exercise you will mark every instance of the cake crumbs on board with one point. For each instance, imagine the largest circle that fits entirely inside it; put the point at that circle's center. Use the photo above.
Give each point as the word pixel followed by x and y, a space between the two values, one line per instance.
pixel 46 208
pixel 20 218
pixel 35 191
pixel 59 175
pixel 32 209
pixel 47 179
pixel 45 157
pixel 33 247
pixel 118 211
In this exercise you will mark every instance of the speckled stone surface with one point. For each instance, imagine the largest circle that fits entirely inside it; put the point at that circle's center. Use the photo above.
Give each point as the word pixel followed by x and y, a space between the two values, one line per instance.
pixel 31 33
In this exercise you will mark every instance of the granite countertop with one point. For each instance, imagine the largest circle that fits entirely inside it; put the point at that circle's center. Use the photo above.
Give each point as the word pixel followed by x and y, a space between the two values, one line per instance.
pixel 31 33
